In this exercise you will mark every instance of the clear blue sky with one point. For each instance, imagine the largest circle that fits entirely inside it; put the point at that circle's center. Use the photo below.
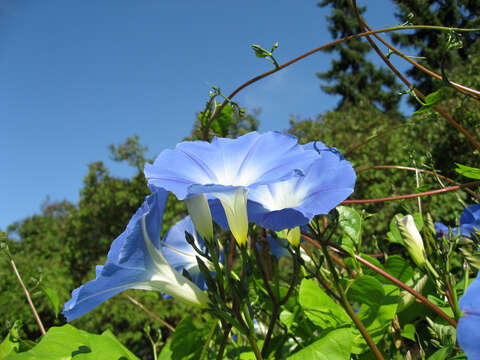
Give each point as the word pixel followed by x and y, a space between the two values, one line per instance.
pixel 79 75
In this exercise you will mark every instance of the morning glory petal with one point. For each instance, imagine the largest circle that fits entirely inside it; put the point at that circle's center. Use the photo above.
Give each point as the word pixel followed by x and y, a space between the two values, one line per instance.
pixel 200 215
pixel 235 205
pixel 248 160
pixel 468 336
pixel 227 168
pixel 180 254
pixel 320 148
pixel 327 182
pixel 470 220
pixel 135 261
pixel 443 230
pixel 95 292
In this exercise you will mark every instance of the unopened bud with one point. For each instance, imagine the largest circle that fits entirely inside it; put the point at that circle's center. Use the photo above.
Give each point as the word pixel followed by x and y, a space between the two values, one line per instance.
pixel 413 240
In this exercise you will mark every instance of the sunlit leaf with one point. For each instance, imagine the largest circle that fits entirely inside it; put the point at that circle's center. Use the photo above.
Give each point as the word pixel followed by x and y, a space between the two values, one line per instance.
pixel 467 171
pixel 332 345
pixel 67 342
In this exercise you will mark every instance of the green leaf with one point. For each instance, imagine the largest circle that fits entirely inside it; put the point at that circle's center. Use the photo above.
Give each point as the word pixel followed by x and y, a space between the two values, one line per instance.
pixel 260 52
pixel 441 354
pixel 418 219
pixel 333 345
pixel 408 332
pixel 319 307
pixel 366 290
pixel 186 341
pixel 430 100
pixel 287 318
pixel 399 268
pixel 250 355
pixel 351 223
pixel 467 171
pixel 66 342
pixel 394 234
pixel 166 353
pixel 9 345
pixel 378 319
pixel 221 124
pixel 54 299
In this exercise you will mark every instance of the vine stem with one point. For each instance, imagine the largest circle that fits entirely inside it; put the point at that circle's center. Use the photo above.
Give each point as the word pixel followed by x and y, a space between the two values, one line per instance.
pixel 150 313
pixel 346 304
pixel 399 167
pixel 254 345
pixel 219 109
pixel 462 88
pixel 27 293
pixel 226 330
pixel 411 196
pixel 389 277
pixel 207 343
pixel 449 118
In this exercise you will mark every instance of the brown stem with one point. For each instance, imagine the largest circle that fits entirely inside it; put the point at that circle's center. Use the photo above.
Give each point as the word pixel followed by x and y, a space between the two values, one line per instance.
pixel 463 89
pixel 226 330
pixel 27 294
pixel 348 307
pixel 450 119
pixel 151 314
pixel 448 293
pixel 470 191
pixel 389 277
pixel 308 53
pixel 411 196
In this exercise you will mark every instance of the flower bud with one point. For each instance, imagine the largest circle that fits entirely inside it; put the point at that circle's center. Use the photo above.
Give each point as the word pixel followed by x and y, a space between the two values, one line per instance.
pixel 413 240
pixel 201 216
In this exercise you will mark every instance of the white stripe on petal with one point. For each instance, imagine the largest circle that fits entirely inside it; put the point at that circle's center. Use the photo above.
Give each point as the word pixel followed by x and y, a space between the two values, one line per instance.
pixel 235 205
pixel 166 279
pixel 201 216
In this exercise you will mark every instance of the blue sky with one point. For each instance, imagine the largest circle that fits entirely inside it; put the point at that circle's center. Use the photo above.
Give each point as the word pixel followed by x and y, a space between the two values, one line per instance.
pixel 80 75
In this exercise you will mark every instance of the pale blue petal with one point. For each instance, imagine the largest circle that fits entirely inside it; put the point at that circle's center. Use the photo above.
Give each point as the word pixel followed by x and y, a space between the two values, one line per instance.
pixel 470 214
pixel 248 160
pixel 133 252
pixel 128 261
pixel 178 252
pixel 468 335
pixel 277 219
pixel 218 214
pixel 443 230
pixel 320 148
pixel 470 220
pixel 112 280
pixel 278 247
pixel 327 182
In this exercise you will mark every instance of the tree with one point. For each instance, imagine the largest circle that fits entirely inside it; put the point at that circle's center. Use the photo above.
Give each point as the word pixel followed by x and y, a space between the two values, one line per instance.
pixel 432 45
pixel 353 77
pixel 425 140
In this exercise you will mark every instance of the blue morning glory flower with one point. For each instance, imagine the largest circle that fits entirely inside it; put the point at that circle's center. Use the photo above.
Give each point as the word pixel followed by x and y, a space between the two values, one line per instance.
pixel 469 221
pixel 326 182
pixel 136 261
pixel 180 254
pixel 226 169
pixel 468 336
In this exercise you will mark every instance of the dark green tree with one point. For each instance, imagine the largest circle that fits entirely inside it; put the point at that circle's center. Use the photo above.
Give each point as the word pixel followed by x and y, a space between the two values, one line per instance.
pixel 433 45
pixel 351 75
pixel 425 140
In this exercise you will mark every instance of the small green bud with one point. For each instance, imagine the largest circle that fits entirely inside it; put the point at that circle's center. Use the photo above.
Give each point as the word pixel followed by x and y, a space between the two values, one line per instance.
pixel 292 235
pixel 413 240
pixel 201 216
